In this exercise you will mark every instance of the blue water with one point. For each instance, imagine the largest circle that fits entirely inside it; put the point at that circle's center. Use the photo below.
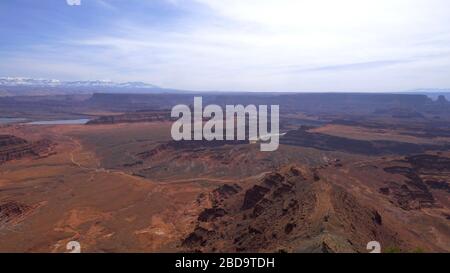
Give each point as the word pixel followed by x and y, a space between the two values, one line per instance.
pixel 60 122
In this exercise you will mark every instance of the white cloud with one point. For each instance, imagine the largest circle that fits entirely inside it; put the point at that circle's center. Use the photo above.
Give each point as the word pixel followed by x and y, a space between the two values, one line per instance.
pixel 73 2
pixel 278 45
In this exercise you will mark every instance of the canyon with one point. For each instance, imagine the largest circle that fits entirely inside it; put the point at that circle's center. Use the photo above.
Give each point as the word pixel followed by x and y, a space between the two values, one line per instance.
pixel 374 168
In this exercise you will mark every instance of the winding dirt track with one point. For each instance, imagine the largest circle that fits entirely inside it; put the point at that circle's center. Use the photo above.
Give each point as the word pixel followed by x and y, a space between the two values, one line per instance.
pixel 74 198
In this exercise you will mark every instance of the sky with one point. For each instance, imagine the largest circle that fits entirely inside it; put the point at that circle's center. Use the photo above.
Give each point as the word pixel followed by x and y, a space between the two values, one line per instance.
pixel 231 45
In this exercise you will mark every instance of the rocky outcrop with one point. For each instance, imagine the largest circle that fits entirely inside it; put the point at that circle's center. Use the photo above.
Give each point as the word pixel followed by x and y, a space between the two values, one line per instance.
pixel 413 193
pixel 225 191
pixel 12 147
pixel 439 185
pixel 427 163
pixel 422 173
pixel 11 211
pixel 211 214
pixel 290 212
pixel 253 196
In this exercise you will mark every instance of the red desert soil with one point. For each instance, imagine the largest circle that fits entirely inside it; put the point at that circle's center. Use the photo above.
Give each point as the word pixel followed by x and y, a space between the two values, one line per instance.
pixel 88 189
pixel 47 202
pixel 297 209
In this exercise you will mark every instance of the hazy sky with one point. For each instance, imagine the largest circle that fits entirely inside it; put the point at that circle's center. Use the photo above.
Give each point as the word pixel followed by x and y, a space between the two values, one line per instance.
pixel 253 45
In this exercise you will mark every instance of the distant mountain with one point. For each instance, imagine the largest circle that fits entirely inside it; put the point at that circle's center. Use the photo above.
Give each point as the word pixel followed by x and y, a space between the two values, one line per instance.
pixel 19 86
pixel 19 81
pixel 431 90
pixel 433 93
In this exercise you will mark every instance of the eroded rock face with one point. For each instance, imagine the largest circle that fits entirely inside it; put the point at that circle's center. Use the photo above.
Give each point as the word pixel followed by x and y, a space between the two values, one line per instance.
pixel 439 185
pixel 424 172
pixel 223 192
pixel 9 140
pixel 287 210
pixel 253 196
pixel 211 214
pixel 12 147
pixel 359 223
pixel 413 193
pixel 427 162
pixel 10 211
pixel 197 238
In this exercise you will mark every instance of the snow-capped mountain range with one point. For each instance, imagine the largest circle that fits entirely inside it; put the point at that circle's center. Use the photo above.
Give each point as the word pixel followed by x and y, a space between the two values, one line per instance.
pixel 20 81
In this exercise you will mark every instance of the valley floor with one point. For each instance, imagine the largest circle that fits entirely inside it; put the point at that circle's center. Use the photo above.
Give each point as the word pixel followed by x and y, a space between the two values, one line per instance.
pixel 94 185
